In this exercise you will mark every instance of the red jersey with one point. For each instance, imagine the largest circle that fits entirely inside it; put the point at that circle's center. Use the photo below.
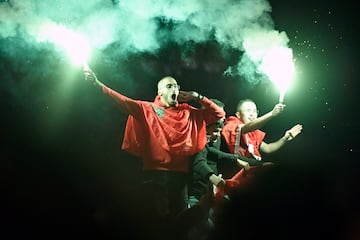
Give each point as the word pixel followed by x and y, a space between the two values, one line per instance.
pixel 248 143
pixel 165 137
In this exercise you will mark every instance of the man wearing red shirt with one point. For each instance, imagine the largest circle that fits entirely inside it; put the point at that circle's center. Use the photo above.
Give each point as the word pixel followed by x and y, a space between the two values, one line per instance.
pixel 165 134
pixel 242 134
pixel 243 137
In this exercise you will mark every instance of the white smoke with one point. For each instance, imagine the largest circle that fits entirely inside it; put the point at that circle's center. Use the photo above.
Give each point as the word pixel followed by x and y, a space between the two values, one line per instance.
pixel 134 25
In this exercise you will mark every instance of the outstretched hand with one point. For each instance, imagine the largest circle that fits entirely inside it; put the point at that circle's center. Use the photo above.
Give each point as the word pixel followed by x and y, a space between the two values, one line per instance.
pixel 293 132
pixel 90 76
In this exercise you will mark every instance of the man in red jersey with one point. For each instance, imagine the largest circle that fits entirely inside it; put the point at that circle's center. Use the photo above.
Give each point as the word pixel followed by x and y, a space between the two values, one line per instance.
pixel 165 134
pixel 242 134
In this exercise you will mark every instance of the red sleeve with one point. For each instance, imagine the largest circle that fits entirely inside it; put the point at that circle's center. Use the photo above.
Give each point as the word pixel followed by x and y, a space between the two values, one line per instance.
pixel 212 111
pixel 126 105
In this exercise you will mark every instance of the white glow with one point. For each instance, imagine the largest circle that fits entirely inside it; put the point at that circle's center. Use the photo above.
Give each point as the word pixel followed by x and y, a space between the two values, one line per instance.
pixel 76 46
pixel 279 66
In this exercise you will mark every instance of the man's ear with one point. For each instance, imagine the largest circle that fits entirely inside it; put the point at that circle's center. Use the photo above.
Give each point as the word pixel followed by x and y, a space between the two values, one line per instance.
pixel 237 114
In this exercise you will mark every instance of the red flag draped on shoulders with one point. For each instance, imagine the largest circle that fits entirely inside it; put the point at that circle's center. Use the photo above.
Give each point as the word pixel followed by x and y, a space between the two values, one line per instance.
pixel 164 137
pixel 173 130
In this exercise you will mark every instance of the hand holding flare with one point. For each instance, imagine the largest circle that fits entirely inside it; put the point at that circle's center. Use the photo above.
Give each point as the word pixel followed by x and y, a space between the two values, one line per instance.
pixel 90 76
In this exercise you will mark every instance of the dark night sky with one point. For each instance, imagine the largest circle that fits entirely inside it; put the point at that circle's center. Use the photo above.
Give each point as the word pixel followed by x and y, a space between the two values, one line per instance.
pixel 60 148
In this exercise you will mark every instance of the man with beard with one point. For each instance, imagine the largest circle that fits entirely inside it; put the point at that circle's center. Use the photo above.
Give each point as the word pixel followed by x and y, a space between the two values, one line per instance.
pixel 165 133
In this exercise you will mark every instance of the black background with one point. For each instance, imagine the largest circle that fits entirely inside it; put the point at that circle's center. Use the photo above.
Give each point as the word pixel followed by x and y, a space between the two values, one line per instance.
pixel 63 169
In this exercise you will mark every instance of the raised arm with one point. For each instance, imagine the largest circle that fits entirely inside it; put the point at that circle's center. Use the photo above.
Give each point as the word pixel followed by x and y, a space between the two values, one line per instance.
pixel 126 104
pixel 211 111
pixel 91 76
pixel 288 136
pixel 260 121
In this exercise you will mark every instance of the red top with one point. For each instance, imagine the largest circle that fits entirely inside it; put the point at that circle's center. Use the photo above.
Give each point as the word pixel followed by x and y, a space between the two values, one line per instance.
pixel 230 132
pixel 165 137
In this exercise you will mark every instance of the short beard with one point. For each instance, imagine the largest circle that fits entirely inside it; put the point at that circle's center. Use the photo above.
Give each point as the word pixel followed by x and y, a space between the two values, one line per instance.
pixel 172 103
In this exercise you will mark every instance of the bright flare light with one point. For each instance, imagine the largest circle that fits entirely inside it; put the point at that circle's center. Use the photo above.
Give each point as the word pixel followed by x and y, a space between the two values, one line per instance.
pixel 278 65
pixel 76 46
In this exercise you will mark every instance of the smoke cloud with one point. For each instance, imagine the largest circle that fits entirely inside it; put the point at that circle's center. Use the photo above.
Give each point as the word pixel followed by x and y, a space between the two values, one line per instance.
pixel 145 26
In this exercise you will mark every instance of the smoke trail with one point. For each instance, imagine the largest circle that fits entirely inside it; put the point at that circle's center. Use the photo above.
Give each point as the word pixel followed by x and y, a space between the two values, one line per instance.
pixel 145 26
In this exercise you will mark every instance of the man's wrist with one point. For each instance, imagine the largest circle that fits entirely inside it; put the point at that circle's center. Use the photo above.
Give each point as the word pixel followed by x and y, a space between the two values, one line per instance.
pixel 285 139
pixel 199 97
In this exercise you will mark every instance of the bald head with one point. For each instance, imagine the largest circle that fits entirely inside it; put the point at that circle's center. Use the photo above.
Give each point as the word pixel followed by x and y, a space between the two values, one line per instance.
pixel 168 90
pixel 165 80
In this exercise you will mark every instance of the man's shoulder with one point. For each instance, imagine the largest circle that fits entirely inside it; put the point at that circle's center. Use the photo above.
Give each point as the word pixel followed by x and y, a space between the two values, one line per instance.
pixel 232 119
pixel 231 122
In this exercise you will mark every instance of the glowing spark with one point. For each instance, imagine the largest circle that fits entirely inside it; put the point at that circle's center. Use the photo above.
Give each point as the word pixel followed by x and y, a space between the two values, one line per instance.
pixel 278 65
